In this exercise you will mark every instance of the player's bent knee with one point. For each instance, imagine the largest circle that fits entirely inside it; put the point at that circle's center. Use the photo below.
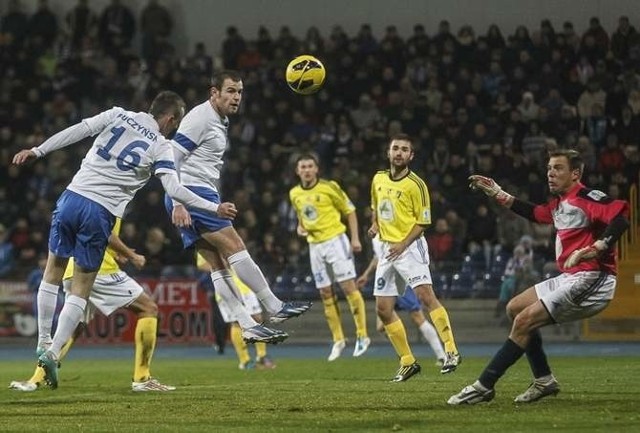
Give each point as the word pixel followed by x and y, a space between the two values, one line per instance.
pixel 144 306
pixel 522 323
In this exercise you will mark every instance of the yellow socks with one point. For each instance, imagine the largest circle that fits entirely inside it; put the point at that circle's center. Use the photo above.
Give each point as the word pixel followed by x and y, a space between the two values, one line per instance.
pixel 146 330
pixel 261 350
pixel 440 320
pixel 239 345
pixel 398 337
pixel 359 311
pixel 332 313
pixel 38 374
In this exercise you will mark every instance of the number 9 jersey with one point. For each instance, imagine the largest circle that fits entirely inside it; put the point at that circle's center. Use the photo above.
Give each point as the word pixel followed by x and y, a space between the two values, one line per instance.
pixel 127 152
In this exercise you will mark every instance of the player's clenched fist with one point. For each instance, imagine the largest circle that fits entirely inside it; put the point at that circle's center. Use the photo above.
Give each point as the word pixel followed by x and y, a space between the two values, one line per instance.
pixel 490 188
pixel 227 210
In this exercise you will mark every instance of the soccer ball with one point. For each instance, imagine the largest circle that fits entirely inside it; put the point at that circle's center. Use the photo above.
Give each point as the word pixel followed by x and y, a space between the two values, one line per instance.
pixel 305 74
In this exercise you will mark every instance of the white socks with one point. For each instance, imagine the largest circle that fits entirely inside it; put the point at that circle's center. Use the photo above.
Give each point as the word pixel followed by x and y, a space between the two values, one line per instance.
pixel 70 316
pixel 223 284
pixel 430 334
pixel 47 299
pixel 250 274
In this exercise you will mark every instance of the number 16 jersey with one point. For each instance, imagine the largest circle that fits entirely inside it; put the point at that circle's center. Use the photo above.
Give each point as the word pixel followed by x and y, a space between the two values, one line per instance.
pixel 128 150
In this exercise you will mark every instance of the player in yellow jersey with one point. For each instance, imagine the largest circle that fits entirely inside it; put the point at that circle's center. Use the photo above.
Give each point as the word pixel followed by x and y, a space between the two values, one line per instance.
pixel 115 289
pixel 320 204
pixel 401 211
pixel 252 304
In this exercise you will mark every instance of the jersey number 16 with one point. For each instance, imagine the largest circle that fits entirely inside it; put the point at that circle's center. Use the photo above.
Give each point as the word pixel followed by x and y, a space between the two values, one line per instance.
pixel 128 159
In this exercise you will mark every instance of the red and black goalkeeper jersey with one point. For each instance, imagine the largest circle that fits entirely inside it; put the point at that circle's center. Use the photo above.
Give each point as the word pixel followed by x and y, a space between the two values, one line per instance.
pixel 580 217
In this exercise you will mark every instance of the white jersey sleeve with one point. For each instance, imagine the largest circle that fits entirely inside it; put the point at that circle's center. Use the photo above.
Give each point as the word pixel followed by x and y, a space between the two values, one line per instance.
pixel 73 134
pixel 202 138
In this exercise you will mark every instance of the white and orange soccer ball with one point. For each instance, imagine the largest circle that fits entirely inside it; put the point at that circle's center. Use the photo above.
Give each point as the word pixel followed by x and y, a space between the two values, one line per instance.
pixel 305 74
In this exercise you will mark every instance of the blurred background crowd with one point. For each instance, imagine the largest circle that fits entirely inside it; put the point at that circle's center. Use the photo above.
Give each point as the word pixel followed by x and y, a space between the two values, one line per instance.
pixel 475 100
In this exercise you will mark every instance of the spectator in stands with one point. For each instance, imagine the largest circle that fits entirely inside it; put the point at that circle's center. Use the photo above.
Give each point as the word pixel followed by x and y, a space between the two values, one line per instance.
pixel 6 252
pixel 528 107
pixel 592 95
pixel 156 25
pixel 508 286
pixel 481 233
pixel 116 29
pixel 15 26
pixel 599 35
pixel 82 23
pixel 623 38
pixel 43 26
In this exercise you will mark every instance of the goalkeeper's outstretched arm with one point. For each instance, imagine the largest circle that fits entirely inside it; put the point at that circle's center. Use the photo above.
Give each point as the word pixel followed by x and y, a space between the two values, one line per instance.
pixel 503 198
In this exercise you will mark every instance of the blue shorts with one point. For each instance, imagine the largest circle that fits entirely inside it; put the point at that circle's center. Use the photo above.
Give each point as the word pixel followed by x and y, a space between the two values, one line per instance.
pixel 201 221
pixel 409 301
pixel 80 228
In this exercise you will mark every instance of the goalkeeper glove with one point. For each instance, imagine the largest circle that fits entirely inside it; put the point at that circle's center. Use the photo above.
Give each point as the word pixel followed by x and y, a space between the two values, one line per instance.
pixel 586 253
pixel 490 188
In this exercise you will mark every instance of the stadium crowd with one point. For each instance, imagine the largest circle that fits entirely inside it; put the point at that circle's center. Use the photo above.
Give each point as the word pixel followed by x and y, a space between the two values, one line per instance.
pixel 476 101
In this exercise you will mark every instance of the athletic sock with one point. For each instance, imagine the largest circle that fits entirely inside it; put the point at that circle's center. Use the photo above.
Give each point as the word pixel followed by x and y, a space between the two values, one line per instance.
pixel 508 354
pixel 250 274
pixel 430 334
pixel 223 284
pixel 239 345
pixel 398 337
pixel 47 300
pixel 536 356
pixel 359 312
pixel 440 320
pixel 332 314
pixel 146 336
pixel 70 316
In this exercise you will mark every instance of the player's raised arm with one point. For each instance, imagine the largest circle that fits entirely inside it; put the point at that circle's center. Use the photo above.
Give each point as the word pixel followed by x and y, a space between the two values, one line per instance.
pixel 68 136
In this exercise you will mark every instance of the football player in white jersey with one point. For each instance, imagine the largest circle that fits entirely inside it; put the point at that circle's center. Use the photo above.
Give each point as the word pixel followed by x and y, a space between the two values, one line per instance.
pixel 129 149
pixel 200 143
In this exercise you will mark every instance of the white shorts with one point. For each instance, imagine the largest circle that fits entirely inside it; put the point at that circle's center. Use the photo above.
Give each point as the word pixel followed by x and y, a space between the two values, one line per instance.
pixel 249 300
pixel 332 261
pixel 109 292
pixel 570 297
pixel 410 269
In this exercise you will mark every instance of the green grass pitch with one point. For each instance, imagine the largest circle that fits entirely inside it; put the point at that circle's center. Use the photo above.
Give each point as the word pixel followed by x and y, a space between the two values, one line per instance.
pixel 308 395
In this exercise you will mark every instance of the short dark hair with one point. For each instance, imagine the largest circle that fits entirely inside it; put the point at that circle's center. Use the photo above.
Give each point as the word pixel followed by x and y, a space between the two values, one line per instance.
pixel 307 156
pixel 219 77
pixel 573 156
pixel 167 102
pixel 403 137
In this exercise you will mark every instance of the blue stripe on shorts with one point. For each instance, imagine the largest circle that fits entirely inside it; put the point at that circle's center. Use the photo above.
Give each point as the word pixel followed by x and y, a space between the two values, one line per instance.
pixel 201 221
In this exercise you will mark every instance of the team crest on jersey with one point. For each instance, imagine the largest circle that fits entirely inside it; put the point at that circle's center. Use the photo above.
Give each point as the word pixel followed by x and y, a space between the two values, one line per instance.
pixel 385 209
pixel 310 212
pixel 596 195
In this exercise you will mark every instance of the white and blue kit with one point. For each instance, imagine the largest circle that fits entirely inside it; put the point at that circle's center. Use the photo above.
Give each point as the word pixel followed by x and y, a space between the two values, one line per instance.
pixel 200 143
pixel 128 150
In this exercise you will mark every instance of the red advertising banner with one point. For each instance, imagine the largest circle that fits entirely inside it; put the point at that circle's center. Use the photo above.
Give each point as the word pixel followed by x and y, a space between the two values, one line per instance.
pixel 17 316
pixel 184 314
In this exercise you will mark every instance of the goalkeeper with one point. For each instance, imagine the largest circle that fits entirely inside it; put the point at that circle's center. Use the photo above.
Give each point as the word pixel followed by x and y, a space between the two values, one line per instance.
pixel 588 223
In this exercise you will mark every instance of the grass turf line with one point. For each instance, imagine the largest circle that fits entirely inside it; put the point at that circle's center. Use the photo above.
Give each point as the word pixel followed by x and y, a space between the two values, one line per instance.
pixel 349 395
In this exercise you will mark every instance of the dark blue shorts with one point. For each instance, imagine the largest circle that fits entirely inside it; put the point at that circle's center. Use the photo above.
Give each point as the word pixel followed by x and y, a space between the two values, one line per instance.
pixel 80 228
pixel 201 221
pixel 409 301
